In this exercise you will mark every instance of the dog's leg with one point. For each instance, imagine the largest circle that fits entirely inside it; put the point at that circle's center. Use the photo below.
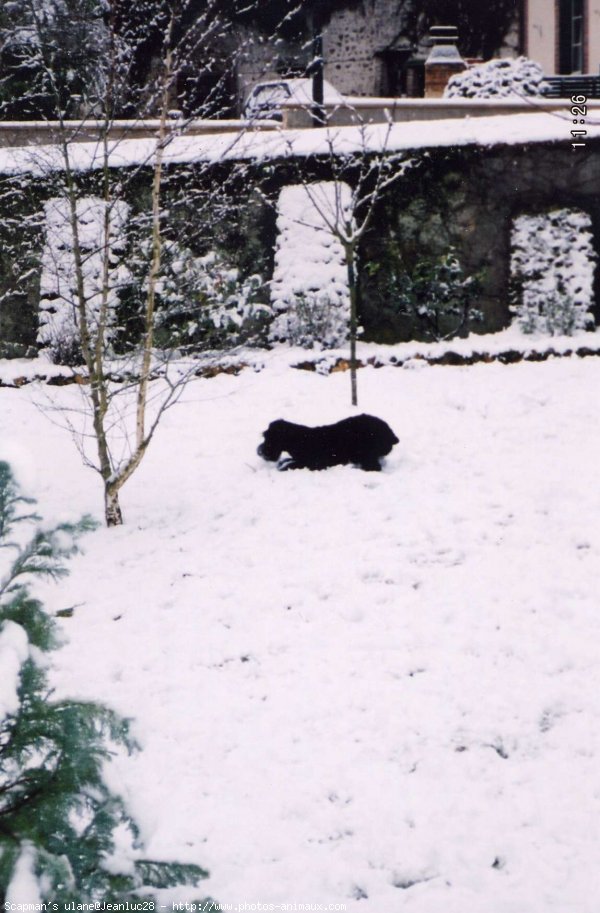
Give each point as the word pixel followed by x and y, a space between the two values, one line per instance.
pixel 286 463
pixel 371 465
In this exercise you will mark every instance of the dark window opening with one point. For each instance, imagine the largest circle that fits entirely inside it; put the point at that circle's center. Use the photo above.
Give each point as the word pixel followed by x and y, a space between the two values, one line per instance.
pixel 571 27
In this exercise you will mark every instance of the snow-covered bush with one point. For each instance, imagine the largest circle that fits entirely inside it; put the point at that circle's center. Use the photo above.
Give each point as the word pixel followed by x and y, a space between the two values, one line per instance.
pixel 309 319
pixel 202 302
pixel 309 289
pixel 59 317
pixel 552 272
pixel 498 78
pixel 65 837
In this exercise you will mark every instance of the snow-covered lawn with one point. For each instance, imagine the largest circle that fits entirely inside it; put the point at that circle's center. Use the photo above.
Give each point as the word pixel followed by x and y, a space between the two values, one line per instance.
pixel 377 690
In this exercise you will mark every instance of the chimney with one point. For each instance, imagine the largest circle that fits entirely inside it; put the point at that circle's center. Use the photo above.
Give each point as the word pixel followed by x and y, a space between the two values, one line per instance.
pixel 444 60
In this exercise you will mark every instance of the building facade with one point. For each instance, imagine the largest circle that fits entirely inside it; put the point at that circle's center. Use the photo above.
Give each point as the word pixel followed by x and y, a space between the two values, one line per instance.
pixel 563 35
pixel 363 48
pixel 368 50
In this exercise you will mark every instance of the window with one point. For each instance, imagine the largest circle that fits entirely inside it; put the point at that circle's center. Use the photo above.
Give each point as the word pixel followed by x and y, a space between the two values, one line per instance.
pixel 577 36
pixel 571 36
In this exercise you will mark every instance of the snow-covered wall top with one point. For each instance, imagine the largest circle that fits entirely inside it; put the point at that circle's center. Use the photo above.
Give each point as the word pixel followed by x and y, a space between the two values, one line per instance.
pixel 514 129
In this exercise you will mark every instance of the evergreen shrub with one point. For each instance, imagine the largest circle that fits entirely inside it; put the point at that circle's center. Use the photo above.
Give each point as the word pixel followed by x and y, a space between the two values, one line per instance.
pixel 62 830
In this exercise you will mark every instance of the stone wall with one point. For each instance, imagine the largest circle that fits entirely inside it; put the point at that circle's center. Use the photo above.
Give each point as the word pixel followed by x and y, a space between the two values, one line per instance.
pixel 352 43
pixel 261 60
pixel 465 198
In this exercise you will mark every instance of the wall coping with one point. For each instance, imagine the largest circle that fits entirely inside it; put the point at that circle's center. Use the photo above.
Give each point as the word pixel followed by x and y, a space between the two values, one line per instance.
pixel 40 132
pixel 446 103
pixel 379 110
pixel 356 110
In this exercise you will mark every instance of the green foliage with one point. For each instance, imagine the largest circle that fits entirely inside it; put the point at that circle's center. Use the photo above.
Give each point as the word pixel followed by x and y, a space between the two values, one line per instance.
pixel 434 294
pixel 555 315
pixel 215 250
pixel 204 304
pixel 20 252
pixel 202 301
pixel 499 78
pixel 10 499
pixel 56 811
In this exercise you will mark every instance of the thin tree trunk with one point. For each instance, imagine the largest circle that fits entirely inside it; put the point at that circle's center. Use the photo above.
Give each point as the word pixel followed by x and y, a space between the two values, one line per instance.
pixel 92 356
pixel 155 264
pixel 93 334
pixel 112 508
pixel 351 267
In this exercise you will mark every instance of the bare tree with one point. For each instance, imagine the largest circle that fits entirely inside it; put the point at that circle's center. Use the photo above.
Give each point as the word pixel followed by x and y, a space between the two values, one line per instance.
pixel 359 179
pixel 93 328
pixel 125 394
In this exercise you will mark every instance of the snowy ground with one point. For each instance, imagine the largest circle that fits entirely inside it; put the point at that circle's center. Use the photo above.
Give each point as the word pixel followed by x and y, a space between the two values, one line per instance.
pixel 351 688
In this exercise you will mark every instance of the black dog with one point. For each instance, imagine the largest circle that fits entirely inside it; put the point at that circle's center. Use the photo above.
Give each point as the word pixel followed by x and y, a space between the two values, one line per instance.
pixel 361 439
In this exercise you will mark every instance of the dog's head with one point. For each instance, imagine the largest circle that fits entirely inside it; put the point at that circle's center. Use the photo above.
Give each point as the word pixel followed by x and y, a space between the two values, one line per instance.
pixel 389 440
pixel 273 443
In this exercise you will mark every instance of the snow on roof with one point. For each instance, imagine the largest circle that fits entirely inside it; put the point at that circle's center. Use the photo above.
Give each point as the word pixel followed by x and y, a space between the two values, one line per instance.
pixel 511 129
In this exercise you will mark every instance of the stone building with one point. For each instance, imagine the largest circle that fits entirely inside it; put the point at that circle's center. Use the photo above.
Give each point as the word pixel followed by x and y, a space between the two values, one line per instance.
pixel 366 52
pixel 366 49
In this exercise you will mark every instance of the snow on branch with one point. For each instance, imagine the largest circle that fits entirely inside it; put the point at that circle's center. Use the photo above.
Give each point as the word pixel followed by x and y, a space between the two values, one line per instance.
pixel 59 319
